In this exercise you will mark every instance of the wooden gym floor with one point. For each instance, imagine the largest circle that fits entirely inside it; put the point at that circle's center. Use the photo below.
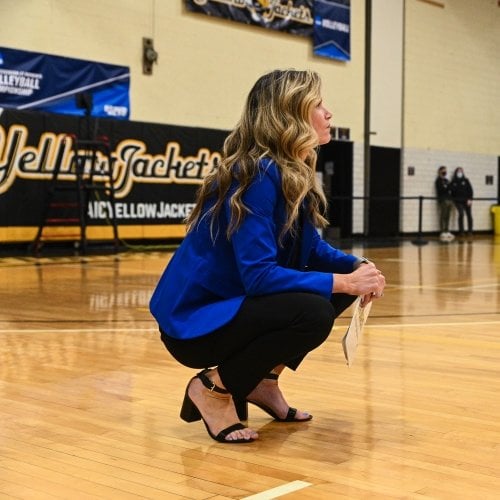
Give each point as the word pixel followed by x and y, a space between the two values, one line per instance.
pixel 89 398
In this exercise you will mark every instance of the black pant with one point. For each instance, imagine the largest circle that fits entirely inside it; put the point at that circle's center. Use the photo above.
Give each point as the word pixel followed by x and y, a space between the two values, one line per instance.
pixel 267 331
pixel 463 207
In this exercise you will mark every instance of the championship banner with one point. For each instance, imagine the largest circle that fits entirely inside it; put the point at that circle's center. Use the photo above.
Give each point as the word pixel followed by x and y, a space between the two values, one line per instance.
pixel 156 170
pixel 332 27
pixel 292 16
pixel 30 80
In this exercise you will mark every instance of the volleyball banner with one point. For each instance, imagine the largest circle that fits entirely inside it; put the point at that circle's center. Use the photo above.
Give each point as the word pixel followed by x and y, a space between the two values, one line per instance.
pixel 35 81
pixel 156 168
pixel 332 29
pixel 292 16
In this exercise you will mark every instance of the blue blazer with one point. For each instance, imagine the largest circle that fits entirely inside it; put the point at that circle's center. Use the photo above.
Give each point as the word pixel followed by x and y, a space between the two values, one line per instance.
pixel 206 281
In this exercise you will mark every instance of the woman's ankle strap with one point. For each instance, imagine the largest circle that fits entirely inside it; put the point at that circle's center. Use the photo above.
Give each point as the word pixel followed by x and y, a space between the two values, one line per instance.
pixel 210 384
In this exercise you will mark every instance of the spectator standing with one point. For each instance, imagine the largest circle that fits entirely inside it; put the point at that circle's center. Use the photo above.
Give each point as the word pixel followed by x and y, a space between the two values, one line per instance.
pixel 462 193
pixel 445 202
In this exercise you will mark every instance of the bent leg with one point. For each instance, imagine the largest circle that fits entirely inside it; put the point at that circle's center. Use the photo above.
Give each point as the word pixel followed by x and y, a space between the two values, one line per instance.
pixel 267 331
pixel 289 327
pixel 340 302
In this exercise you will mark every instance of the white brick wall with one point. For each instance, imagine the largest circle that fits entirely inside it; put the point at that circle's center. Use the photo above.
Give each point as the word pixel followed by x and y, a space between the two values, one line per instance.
pixel 452 76
pixel 358 187
pixel 426 162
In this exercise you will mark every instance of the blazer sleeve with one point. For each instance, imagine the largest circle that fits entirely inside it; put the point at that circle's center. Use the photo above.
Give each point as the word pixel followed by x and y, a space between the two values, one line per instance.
pixel 255 244
pixel 324 257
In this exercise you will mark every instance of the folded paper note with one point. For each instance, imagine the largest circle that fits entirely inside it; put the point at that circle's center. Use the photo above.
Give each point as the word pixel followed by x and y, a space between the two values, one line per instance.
pixel 352 337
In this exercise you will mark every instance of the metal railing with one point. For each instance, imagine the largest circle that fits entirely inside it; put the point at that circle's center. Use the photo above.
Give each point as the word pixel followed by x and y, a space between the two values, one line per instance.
pixel 419 238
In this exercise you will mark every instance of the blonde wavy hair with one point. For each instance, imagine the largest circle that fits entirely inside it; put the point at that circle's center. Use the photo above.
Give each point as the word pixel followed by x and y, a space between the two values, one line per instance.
pixel 275 123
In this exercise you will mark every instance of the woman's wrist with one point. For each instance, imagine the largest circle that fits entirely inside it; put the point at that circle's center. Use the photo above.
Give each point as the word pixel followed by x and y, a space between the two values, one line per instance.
pixel 341 283
pixel 359 261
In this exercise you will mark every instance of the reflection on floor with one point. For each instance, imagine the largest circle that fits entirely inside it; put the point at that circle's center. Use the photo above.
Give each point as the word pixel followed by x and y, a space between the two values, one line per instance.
pixel 90 399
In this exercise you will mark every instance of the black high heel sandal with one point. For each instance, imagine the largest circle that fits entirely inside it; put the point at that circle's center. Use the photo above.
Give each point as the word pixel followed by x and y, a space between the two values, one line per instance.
pixel 190 412
pixel 242 408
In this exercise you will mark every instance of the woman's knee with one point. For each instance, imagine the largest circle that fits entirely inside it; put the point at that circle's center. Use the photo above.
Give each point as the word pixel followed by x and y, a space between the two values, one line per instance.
pixel 317 313
pixel 340 302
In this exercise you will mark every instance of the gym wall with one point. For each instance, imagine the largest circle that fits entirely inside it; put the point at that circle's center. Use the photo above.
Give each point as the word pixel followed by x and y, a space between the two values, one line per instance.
pixel 434 92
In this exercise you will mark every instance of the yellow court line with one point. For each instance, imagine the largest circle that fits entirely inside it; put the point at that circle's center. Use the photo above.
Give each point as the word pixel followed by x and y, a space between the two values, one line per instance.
pixel 278 491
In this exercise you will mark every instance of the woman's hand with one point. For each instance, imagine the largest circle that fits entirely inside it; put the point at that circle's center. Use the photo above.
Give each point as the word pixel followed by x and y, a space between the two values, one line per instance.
pixel 366 299
pixel 366 281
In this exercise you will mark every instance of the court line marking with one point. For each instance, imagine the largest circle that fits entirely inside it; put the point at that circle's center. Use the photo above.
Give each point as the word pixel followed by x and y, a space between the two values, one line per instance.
pixel 454 323
pixel 284 489
pixel 154 330
pixel 464 288
pixel 75 330
pixel 444 287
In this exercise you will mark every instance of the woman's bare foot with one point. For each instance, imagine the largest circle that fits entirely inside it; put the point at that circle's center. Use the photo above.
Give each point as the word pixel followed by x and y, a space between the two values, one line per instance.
pixel 268 394
pixel 217 410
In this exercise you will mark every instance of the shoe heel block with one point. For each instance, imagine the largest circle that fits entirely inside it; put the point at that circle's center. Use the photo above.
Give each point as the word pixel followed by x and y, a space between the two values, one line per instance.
pixel 241 407
pixel 189 412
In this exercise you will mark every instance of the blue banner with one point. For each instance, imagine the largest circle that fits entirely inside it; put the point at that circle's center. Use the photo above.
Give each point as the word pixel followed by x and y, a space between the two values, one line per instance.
pixel 332 29
pixel 34 81
pixel 292 16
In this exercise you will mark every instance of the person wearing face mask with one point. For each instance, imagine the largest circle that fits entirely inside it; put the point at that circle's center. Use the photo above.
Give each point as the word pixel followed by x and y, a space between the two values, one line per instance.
pixel 445 203
pixel 462 193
